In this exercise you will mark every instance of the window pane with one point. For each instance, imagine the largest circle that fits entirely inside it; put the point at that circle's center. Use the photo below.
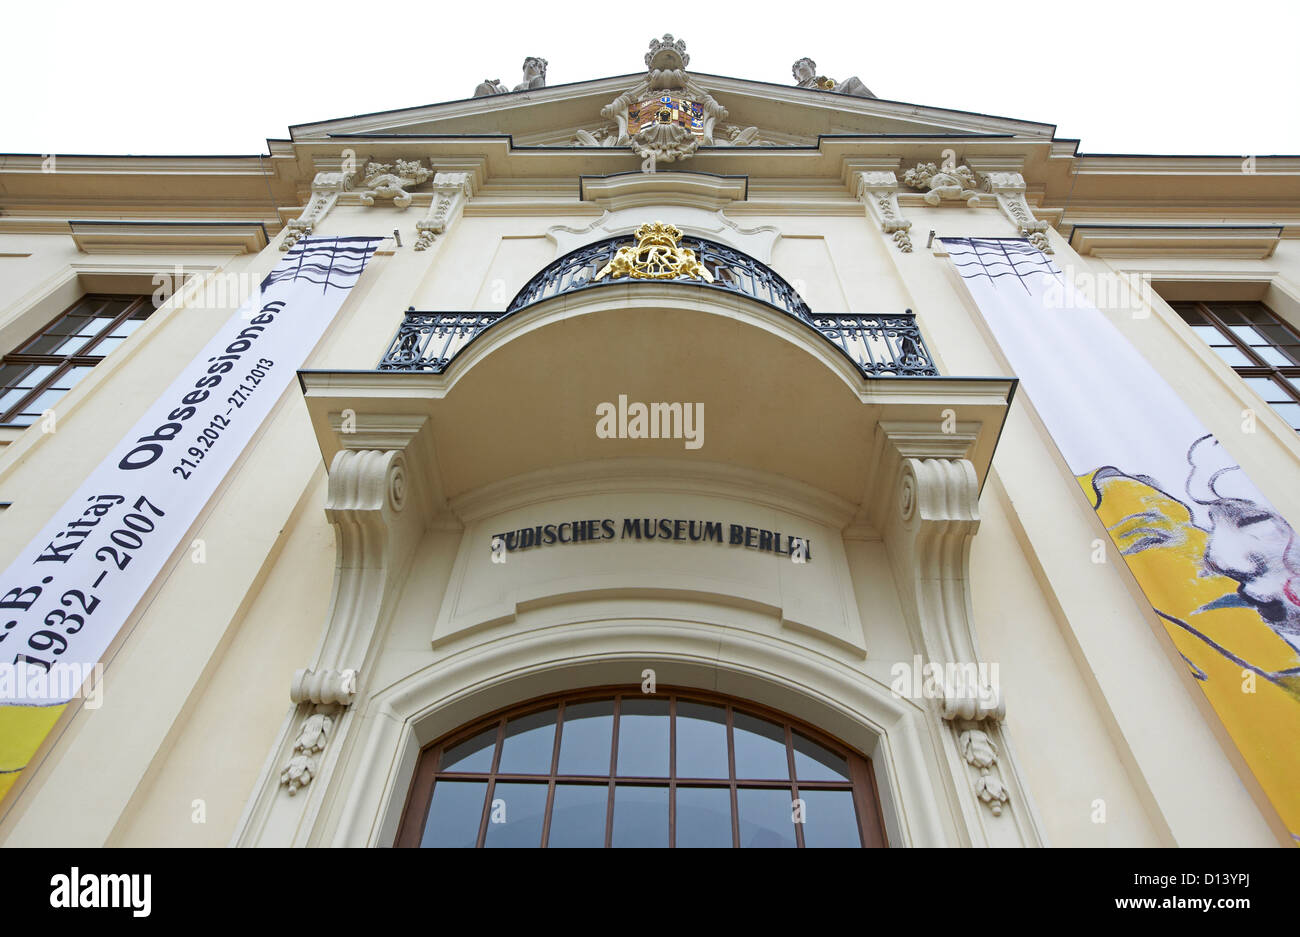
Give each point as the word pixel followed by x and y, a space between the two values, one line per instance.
pixel 703 816
pixel 1278 334
pixel 702 742
pixel 127 326
pixel 69 378
pixel 1267 388
pixel 586 738
pixel 760 748
pixel 813 762
pixel 11 398
pixel 529 743
pixel 578 815
pixel 36 375
pixel 1249 335
pixel 1290 412
pixel 1233 357
pixel 68 346
pixel 43 401
pixel 471 755
pixel 640 816
pixel 515 815
pixel 1209 334
pixel 455 813
pixel 106 345
pixel 829 819
pixel 643 738
pixel 1272 356
pixel 23 419
pixel 766 818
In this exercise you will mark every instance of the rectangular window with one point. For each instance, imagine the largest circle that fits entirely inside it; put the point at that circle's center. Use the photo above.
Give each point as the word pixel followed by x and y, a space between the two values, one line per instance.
pixel 1258 345
pixel 51 362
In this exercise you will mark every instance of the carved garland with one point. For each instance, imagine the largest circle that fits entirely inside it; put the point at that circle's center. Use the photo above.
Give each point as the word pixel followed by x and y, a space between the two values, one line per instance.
pixel 450 191
pixel 1009 189
pixel 879 192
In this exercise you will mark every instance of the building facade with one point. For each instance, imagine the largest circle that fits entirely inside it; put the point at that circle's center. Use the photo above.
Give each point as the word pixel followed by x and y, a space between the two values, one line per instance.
pixel 652 460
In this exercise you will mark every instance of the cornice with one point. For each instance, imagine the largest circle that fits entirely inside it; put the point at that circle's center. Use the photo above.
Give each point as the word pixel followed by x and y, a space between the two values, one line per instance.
pixel 1252 242
pixel 148 237
pixel 636 189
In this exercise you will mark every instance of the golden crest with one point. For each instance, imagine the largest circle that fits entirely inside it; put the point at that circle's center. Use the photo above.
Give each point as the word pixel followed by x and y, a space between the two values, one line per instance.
pixel 655 256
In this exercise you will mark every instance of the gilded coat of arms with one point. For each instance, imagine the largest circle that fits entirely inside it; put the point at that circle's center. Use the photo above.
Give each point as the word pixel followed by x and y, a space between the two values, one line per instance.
pixel 655 256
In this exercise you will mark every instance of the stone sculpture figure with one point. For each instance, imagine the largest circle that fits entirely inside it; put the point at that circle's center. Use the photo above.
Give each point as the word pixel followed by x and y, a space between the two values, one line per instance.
pixel 534 74
pixel 534 77
pixel 805 76
pixel 490 86
pixel 946 184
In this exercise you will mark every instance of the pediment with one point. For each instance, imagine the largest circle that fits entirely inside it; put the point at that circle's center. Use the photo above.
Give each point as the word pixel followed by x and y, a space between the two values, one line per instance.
pixel 780 115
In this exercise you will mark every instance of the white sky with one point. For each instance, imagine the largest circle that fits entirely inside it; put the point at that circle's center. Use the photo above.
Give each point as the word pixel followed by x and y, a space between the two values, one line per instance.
pixel 1135 76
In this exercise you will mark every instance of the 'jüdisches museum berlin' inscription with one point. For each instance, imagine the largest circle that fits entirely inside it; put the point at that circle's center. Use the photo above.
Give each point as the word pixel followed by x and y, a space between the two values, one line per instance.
pixel 649 528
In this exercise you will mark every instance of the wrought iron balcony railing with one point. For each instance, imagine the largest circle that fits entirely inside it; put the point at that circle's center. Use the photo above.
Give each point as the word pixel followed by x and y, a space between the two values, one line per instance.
pixel 878 344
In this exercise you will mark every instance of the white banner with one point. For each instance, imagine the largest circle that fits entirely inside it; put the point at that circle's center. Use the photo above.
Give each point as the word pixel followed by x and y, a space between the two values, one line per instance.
pixel 1220 566
pixel 69 592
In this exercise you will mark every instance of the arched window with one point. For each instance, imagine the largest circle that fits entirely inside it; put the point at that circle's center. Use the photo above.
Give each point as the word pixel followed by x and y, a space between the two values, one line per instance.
pixel 616 767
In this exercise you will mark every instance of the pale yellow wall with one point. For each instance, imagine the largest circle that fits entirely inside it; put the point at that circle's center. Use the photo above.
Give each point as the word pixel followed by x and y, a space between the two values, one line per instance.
pixel 197 693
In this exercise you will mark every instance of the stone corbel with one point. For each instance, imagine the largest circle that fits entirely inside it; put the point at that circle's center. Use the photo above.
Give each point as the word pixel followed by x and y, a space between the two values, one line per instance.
pixel 879 192
pixel 326 188
pixel 928 530
pixel 1009 189
pixel 381 487
pixel 450 192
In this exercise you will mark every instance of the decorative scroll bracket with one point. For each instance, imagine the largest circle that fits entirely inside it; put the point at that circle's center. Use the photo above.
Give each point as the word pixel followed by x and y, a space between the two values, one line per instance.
pixel 879 192
pixel 451 190
pixel 326 188
pixel 1009 189
pixel 928 531
pixel 383 485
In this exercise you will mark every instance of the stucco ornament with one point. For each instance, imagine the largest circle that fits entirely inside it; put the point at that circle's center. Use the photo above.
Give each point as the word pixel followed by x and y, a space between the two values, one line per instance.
pixel 655 256
pixel 325 190
pixel 666 115
pixel 943 185
pixel 805 76
pixel 298 773
pixel 391 180
pixel 312 738
pixel 741 136
pixel 981 752
pixel 879 192
pixel 1009 189
pixel 450 190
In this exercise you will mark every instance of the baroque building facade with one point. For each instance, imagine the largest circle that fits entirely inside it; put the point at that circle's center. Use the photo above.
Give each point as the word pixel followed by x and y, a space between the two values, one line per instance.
pixel 671 470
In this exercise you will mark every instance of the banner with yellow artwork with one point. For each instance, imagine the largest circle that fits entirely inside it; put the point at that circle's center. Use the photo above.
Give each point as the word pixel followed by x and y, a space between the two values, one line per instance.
pixel 1219 565
pixel 68 593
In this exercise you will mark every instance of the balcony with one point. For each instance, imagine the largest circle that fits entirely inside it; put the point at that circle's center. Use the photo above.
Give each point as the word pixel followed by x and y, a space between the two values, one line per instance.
pixel 879 345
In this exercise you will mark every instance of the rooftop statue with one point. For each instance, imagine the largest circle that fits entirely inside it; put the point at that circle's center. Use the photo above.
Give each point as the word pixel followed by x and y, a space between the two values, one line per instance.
pixel 534 77
pixel 805 76
pixel 534 74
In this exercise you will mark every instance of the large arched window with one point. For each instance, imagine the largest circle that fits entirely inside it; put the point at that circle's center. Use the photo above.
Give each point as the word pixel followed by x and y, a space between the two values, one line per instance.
pixel 616 767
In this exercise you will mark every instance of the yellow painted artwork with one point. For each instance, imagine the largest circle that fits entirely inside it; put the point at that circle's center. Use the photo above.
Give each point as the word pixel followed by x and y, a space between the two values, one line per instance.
pixel 22 729
pixel 1213 591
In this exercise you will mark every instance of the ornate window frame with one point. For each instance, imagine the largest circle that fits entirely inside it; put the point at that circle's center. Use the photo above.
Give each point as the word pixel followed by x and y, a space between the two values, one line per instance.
pixel 861 783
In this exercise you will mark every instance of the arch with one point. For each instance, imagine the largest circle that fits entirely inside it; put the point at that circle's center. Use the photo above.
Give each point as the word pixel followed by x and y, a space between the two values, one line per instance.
pixel 484 676
pixel 641 766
